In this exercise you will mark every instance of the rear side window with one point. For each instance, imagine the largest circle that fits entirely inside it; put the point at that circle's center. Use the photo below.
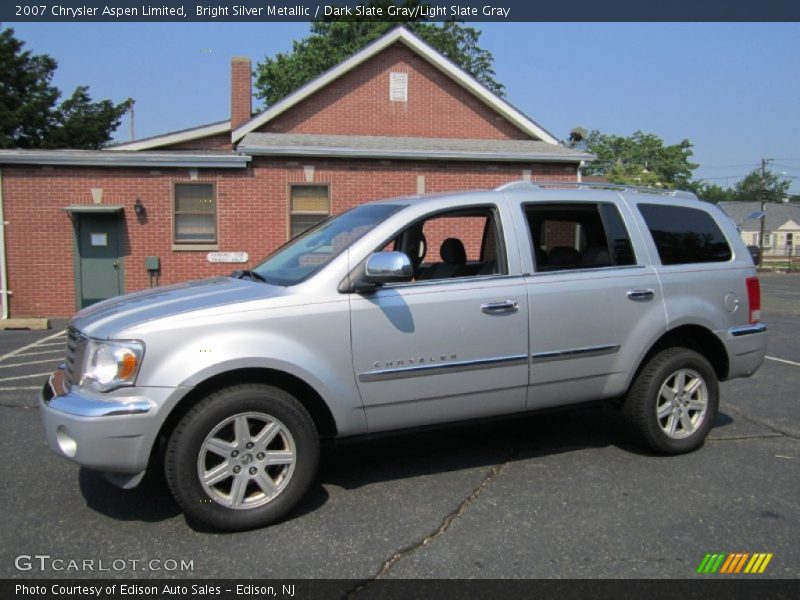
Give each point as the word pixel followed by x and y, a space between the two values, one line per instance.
pixel 685 235
pixel 576 235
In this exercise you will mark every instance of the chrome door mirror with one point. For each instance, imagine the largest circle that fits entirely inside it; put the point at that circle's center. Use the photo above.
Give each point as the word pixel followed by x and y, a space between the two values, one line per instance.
pixel 388 267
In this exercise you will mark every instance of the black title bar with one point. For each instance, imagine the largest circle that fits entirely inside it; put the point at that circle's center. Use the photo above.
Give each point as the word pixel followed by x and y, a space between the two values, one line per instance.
pixel 698 588
pixel 433 10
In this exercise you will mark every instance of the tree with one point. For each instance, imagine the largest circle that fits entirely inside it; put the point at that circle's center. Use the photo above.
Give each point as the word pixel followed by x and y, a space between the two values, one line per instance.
pixel 331 42
pixel 29 116
pixel 746 190
pixel 750 188
pixel 641 159
pixel 712 192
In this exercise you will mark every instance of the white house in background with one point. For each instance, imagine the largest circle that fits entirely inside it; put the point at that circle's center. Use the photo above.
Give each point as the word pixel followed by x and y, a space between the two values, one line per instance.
pixel 782 230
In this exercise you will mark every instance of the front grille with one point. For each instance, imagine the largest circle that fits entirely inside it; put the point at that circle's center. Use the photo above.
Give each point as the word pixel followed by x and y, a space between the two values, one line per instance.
pixel 76 349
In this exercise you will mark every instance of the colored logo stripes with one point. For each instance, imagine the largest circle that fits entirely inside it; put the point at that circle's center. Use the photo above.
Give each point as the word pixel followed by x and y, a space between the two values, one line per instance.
pixel 735 562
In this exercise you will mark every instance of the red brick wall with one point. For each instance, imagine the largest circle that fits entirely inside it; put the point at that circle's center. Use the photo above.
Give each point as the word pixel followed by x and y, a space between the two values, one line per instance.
pixel 252 214
pixel 241 91
pixel 220 141
pixel 358 104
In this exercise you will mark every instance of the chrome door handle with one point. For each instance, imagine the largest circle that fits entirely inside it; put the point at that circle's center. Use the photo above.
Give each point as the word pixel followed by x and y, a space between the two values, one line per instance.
pixel 641 295
pixel 498 307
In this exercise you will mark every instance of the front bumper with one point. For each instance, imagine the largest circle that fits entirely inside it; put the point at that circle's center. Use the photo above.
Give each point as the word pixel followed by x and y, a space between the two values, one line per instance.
pixel 107 432
pixel 747 347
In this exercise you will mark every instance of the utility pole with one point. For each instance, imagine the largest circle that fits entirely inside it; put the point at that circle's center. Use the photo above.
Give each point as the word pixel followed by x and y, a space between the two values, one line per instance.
pixel 764 211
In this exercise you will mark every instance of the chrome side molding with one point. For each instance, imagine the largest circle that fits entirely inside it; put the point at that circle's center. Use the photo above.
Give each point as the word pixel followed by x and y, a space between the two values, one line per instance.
pixel 541 357
pixel 440 369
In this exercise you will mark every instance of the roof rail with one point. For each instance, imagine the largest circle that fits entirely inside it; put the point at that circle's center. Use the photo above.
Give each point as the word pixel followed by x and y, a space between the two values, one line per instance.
pixel 523 183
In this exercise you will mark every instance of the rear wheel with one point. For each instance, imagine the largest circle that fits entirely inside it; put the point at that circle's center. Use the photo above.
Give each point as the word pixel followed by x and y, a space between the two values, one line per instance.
pixel 673 402
pixel 242 457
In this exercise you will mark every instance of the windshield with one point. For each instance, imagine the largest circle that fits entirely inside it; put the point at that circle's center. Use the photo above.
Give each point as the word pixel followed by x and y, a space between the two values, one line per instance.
pixel 312 250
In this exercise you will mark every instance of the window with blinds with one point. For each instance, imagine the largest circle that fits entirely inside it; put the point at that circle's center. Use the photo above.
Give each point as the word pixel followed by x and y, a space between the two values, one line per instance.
pixel 195 213
pixel 308 205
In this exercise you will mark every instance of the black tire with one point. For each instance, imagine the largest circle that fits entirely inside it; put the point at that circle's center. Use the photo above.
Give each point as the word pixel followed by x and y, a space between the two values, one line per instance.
pixel 644 398
pixel 220 414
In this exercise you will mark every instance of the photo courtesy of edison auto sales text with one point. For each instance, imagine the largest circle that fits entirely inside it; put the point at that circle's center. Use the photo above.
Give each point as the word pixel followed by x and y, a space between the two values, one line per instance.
pixel 131 589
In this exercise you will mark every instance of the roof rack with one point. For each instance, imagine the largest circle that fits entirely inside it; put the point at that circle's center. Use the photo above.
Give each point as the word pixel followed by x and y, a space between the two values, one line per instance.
pixel 522 184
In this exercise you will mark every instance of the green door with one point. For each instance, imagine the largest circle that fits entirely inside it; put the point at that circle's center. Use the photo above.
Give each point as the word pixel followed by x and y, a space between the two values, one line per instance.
pixel 98 269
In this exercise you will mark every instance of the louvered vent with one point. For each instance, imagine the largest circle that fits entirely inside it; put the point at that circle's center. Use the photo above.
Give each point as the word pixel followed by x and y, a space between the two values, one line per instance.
pixel 398 87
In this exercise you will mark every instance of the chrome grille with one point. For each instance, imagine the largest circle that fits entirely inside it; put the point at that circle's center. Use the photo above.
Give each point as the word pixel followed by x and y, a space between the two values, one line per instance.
pixel 76 349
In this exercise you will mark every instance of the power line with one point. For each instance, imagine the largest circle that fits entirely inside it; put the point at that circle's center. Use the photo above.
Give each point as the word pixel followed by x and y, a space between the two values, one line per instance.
pixel 753 165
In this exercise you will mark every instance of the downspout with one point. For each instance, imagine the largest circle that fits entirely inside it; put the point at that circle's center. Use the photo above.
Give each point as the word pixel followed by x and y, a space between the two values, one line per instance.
pixel 3 270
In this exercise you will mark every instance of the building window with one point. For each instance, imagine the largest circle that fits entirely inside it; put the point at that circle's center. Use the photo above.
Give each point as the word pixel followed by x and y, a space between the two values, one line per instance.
pixel 308 205
pixel 398 87
pixel 195 213
pixel 767 240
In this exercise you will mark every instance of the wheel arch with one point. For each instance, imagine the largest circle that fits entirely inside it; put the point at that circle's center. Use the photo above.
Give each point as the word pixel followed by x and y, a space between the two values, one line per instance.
pixel 695 337
pixel 304 393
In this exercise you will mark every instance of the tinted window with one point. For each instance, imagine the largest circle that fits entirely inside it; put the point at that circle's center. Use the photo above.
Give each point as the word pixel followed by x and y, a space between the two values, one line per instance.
pixel 685 235
pixel 578 236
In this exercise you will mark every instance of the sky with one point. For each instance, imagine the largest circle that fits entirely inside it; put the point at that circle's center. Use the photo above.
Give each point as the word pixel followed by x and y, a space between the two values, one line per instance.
pixel 732 89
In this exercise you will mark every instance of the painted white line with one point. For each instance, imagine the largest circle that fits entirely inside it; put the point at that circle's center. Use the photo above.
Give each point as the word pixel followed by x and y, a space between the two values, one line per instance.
pixel 25 376
pixel 27 354
pixel 32 345
pixel 31 362
pixel 62 344
pixel 20 388
pixel 783 360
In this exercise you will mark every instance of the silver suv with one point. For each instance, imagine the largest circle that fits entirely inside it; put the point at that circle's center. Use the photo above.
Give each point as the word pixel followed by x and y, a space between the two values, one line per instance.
pixel 411 312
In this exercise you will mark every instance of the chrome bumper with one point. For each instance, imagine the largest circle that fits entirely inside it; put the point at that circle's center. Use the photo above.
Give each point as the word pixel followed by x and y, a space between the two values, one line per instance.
pixel 103 432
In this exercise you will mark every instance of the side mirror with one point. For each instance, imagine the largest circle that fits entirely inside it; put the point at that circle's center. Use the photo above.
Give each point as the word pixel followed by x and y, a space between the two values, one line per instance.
pixel 388 267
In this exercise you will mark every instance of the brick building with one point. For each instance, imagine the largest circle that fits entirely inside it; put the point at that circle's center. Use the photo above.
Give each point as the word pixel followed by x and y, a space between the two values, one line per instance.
pixel 397 118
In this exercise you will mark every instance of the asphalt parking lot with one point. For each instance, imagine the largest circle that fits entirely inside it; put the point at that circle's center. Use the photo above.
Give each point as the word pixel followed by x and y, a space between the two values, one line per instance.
pixel 564 495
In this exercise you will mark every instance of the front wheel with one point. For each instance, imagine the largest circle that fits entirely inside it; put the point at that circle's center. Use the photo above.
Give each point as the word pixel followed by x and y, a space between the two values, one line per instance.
pixel 673 402
pixel 242 457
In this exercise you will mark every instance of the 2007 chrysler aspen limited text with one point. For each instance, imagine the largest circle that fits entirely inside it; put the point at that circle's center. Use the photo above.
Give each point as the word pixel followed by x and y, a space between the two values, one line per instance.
pixel 410 312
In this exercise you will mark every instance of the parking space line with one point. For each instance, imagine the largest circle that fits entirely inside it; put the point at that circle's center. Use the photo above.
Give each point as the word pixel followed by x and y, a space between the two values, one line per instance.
pixel 27 354
pixel 20 388
pixel 30 362
pixel 32 345
pixel 51 345
pixel 783 360
pixel 25 376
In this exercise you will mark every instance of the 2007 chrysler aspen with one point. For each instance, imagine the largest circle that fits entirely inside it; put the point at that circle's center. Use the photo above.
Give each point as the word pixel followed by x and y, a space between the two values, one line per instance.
pixel 410 312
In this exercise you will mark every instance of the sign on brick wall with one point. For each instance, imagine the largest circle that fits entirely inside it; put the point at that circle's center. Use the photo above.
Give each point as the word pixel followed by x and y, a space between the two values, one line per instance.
pixel 227 257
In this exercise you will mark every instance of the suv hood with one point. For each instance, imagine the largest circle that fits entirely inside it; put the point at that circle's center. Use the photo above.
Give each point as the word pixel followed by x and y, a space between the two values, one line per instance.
pixel 114 315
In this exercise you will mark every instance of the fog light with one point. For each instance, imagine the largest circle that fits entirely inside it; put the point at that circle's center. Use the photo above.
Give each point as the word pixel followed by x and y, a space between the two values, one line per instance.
pixel 67 445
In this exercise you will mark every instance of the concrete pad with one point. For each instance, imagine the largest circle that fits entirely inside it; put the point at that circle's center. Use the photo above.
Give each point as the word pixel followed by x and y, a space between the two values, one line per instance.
pixel 33 323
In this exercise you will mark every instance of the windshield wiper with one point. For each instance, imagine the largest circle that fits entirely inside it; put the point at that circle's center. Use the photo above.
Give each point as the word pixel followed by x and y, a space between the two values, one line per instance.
pixel 242 273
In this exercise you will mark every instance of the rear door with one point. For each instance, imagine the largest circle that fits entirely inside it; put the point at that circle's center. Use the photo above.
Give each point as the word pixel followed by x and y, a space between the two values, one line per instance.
pixel 452 344
pixel 594 301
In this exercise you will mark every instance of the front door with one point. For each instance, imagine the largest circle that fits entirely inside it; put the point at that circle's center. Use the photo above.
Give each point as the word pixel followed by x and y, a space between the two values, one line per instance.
pixel 98 268
pixel 451 345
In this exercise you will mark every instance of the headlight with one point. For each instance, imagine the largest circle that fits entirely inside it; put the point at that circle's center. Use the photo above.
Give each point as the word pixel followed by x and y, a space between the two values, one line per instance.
pixel 110 365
